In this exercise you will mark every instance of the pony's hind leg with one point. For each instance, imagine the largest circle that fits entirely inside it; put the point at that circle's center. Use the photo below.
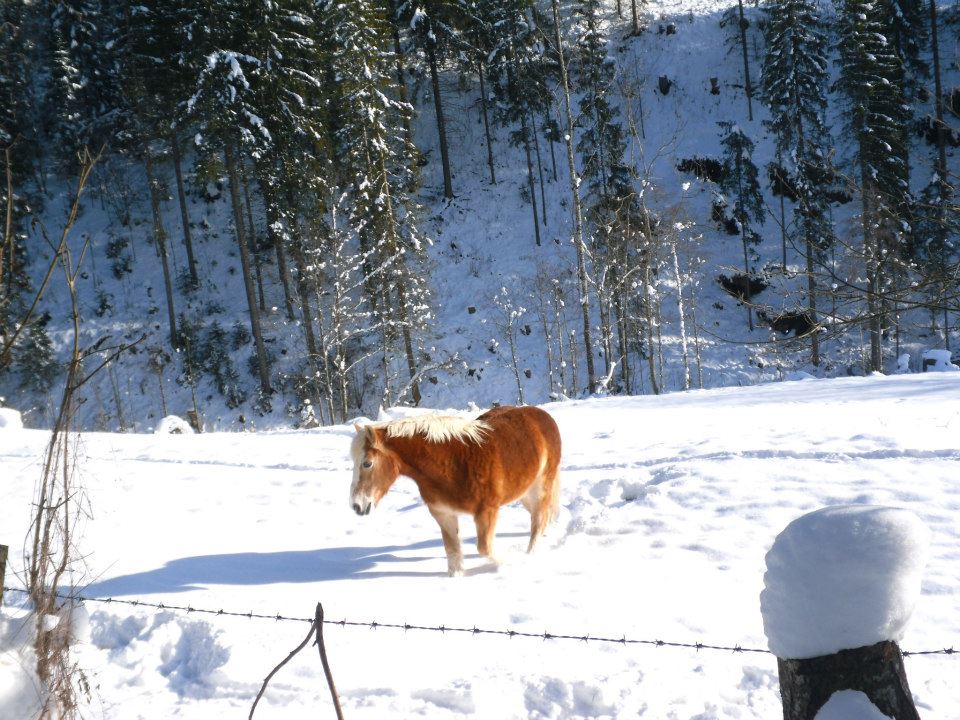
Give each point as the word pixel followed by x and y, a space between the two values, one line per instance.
pixel 542 502
pixel 450 530
pixel 486 521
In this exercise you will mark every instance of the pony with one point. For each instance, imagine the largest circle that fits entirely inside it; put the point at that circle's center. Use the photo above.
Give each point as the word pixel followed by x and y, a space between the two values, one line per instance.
pixel 464 466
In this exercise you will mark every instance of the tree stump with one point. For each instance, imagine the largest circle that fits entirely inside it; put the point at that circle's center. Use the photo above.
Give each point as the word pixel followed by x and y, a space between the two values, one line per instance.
pixel 3 569
pixel 876 670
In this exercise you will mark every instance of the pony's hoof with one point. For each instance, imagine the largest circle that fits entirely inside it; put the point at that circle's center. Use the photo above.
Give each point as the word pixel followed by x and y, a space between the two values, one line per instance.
pixel 455 572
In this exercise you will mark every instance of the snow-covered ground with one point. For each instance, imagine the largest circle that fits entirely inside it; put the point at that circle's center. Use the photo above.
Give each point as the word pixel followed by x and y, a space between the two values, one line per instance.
pixel 670 505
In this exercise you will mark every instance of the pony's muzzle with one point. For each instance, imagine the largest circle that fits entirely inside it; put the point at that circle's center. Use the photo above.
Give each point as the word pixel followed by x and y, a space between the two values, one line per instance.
pixel 362 510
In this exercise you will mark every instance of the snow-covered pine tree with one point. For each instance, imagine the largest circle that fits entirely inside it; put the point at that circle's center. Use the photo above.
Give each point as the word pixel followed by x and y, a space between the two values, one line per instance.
pixel 372 150
pixel 481 34
pixel 431 23
pixel 871 81
pixel 740 183
pixel 229 120
pixel 600 143
pixel 935 241
pixel 293 171
pixel 519 71
pixel 735 19
pixel 85 97
pixel 17 145
pixel 159 45
pixel 612 211
pixel 793 82
pixel 579 241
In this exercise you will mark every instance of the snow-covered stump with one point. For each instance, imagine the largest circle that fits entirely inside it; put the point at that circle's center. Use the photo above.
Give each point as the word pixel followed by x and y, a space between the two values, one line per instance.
pixel 840 586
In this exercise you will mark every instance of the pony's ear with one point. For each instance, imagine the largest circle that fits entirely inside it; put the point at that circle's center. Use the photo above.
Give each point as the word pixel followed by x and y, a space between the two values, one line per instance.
pixel 369 432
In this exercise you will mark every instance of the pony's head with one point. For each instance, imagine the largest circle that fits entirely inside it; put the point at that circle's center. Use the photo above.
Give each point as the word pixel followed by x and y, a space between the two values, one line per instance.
pixel 374 469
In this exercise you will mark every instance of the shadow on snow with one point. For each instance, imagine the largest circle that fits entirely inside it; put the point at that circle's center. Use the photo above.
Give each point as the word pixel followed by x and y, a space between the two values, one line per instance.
pixel 295 566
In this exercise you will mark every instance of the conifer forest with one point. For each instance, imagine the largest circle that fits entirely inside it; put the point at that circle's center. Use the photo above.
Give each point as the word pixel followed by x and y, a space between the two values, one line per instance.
pixel 276 213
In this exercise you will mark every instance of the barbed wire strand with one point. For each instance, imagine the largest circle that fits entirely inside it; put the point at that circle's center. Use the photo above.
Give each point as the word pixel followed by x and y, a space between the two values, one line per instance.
pixel 509 633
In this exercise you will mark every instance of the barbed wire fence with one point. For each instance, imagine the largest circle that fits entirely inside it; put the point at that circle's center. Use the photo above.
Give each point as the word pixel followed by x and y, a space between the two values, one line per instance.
pixel 444 629
pixel 318 621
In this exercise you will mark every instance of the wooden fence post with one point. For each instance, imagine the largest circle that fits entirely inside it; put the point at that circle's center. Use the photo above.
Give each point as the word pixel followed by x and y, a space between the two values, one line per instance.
pixel 840 586
pixel 3 569
pixel 876 670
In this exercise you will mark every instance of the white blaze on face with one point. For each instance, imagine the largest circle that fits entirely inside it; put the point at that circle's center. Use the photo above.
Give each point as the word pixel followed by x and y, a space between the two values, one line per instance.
pixel 361 503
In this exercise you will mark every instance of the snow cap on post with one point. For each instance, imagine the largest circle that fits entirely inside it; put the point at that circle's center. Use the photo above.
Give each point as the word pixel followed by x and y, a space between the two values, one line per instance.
pixel 842 577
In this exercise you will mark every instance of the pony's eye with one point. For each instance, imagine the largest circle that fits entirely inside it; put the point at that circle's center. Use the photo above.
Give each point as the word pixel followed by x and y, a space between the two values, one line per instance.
pixel 367 464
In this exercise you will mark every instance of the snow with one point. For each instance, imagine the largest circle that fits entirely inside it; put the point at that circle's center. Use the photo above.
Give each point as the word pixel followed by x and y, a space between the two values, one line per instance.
pixel 10 419
pixel 940 361
pixel 173 425
pixel 842 577
pixel 668 506
pixel 849 705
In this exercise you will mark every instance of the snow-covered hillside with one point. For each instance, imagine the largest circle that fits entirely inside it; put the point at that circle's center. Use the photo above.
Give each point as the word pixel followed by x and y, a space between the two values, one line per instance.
pixel 483 248
pixel 669 505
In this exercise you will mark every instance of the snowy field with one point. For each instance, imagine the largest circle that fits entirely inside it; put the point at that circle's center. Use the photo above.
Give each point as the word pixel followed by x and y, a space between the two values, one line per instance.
pixel 669 506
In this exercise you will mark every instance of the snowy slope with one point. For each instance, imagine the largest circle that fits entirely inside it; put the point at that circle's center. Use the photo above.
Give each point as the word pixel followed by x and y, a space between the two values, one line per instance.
pixel 483 241
pixel 669 505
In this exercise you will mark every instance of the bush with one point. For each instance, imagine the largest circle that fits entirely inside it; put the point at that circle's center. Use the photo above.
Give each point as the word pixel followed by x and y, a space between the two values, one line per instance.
pixel 742 287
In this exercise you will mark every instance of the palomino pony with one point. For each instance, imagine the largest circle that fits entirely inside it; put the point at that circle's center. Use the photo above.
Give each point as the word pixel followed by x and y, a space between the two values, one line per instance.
pixel 464 466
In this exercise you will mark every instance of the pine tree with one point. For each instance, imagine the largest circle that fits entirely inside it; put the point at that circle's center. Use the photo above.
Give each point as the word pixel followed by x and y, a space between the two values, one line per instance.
pixel 601 142
pixel 229 119
pixel 432 33
pixel 740 183
pixel 158 80
pixel 871 81
pixel 371 147
pixel 793 83
pixel 612 210
pixel 17 142
pixel 736 20
pixel 85 97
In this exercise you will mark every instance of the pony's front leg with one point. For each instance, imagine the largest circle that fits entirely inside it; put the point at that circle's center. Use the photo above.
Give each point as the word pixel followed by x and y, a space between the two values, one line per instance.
pixel 450 530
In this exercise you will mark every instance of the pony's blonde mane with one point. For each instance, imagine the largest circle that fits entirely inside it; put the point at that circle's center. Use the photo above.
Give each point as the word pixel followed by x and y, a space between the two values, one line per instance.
pixel 438 428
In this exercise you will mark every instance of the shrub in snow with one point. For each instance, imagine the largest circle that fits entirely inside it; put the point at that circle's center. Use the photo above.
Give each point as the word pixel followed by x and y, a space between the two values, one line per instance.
pixel 903 364
pixel 10 419
pixel 173 425
pixel 938 361
pixel 842 577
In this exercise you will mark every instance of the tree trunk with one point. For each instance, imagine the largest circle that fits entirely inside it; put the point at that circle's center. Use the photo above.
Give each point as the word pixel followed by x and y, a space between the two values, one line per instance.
pixel 234 180
pixel 746 63
pixel 184 214
pixel 871 250
pixel 877 671
pixel 8 222
pixel 536 147
pixel 941 153
pixel 401 84
pixel 277 237
pixel 812 305
pixel 530 182
pixel 408 342
pixel 681 312
pixel 306 314
pixel 160 236
pixel 441 123
pixel 486 123
pixel 577 210
pixel 253 238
